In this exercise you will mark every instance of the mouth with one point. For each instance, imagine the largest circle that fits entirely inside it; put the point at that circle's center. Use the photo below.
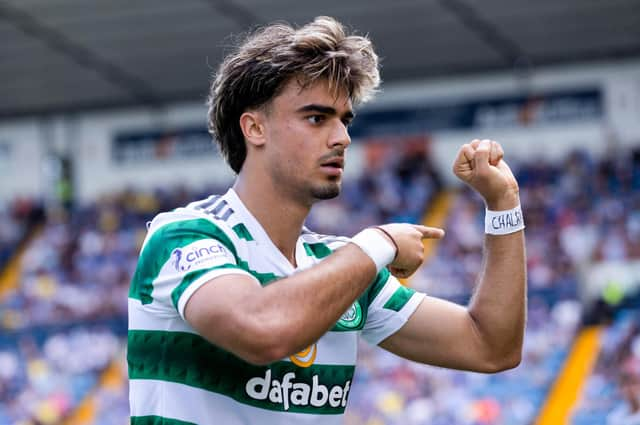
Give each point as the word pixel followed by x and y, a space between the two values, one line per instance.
pixel 333 166
pixel 336 162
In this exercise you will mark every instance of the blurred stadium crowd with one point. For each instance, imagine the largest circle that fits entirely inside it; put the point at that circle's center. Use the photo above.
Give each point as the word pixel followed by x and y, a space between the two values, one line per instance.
pixel 616 378
pixel 64 318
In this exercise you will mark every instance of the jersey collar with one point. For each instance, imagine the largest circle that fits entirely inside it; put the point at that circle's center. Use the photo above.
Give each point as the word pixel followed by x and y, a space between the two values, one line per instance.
pixel 262 238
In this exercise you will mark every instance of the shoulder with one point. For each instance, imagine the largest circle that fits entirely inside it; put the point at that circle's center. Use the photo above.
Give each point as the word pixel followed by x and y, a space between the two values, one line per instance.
pixel 186 220
pixel 192 222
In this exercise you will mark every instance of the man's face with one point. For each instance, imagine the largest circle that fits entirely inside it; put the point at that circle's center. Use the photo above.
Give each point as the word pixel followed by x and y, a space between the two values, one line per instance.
pixel 307 137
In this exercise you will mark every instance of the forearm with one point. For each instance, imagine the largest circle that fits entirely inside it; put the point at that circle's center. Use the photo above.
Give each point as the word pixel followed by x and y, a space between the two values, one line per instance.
pixel 264 324
pixel 302 307
pixel 498 307
pixel 487 335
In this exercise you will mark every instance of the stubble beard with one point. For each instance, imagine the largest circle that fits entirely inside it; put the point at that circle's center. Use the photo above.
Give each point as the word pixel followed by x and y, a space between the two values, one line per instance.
pixel 307 192
pixel 326 191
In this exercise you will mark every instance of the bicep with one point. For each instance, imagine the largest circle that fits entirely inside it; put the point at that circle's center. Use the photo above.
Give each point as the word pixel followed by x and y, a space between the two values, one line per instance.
pixel 440 333
pixel 218 310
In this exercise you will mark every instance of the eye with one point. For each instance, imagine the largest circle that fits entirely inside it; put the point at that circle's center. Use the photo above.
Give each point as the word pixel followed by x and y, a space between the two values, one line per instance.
pixel 347 122
pixel 315 119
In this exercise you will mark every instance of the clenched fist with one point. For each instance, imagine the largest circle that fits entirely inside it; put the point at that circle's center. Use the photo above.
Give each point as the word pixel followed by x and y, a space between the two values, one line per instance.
pixel 480 164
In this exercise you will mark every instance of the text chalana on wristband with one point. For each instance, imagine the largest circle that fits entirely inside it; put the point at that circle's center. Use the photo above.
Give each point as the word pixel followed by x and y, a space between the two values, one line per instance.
pixel 376 246
pixel 503 222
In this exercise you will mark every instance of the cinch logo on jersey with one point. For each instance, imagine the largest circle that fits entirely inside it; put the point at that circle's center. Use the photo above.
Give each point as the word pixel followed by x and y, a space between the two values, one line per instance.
pixel 200 254
pixel 290 393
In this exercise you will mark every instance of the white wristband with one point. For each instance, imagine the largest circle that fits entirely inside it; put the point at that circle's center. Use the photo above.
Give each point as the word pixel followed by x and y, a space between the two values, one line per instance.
pixel 503 222
pixel 376 246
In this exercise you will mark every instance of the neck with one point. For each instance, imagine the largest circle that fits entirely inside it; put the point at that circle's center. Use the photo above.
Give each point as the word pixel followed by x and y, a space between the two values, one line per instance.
pixel 278 213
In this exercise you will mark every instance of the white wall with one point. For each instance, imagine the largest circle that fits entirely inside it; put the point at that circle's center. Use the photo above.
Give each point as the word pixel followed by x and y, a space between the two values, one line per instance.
pixel 97 174
pixel 622 103
pixel 22 164
pixel 87 137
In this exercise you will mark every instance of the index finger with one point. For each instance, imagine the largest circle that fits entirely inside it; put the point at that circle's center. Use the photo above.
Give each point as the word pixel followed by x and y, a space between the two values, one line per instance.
pixel 429 232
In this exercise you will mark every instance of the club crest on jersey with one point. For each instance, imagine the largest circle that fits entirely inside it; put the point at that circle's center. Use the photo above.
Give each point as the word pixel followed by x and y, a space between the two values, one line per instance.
pixel 200 254
pixel 352 318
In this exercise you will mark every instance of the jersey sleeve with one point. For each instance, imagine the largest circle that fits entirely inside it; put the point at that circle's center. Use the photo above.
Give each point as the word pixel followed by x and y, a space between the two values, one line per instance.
pixel 180 257
pixel 390 306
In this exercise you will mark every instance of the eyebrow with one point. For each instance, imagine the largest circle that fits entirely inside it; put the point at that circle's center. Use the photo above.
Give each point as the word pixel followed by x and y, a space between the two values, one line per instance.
pixel 325 110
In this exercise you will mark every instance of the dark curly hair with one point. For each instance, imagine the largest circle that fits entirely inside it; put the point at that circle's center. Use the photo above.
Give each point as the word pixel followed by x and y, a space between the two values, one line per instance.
pixel 259 68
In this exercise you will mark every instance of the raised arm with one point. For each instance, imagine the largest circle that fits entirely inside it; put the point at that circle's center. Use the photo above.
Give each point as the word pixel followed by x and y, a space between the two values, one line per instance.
pixel 264 324
pixel 487 335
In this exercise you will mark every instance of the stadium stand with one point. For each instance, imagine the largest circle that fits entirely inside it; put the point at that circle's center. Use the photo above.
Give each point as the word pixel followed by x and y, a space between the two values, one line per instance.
pixel 18 219
pixel 74 280
pixel 612 393
pixel 515 397
pixel 594 204
pixel 46 372
pixel 71 300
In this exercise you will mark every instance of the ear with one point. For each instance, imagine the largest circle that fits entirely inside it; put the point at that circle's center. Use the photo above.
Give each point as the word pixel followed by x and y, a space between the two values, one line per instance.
pixel 253 129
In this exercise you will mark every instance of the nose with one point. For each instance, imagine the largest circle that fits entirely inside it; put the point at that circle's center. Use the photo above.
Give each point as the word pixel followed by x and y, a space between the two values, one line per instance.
pixel 339 135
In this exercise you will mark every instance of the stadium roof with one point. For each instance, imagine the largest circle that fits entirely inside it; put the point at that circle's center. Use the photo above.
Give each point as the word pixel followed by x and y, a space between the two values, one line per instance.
pixel 69 55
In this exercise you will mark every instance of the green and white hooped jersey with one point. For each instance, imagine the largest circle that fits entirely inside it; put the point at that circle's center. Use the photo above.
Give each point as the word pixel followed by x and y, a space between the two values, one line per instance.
pixel 177 377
